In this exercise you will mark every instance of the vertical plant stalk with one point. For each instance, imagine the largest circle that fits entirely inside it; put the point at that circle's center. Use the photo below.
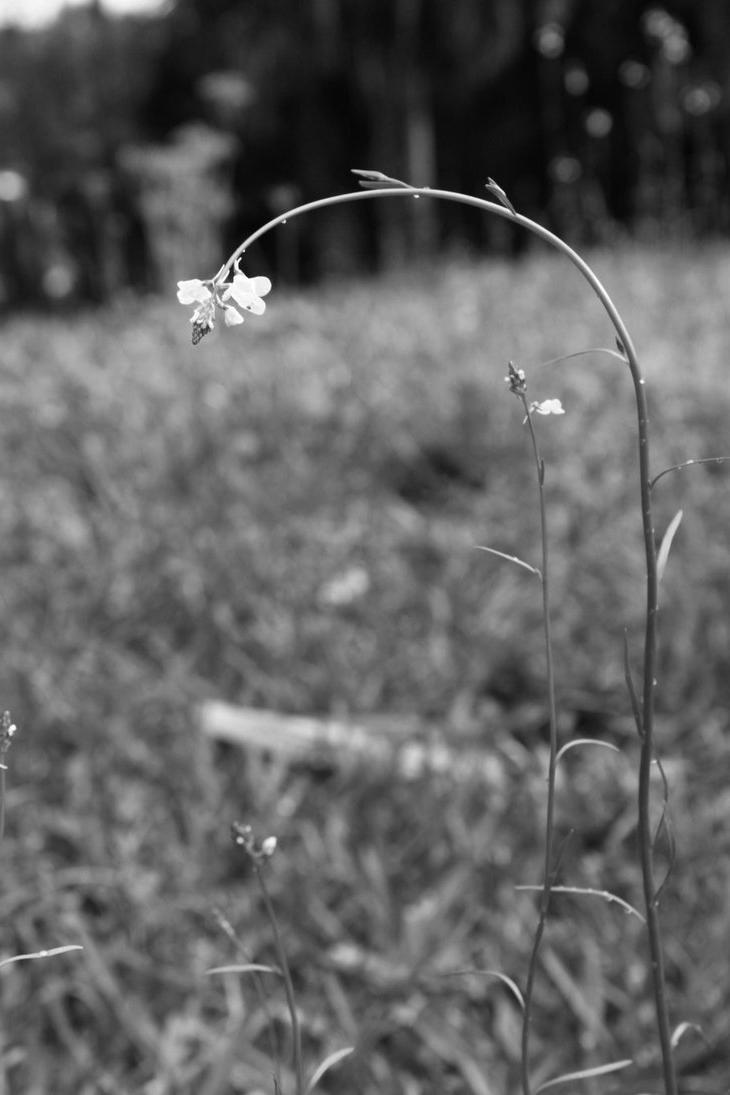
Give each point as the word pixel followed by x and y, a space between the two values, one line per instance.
pixel 286 974
pixel 548 869
pixel 656 950
pixel 2 802
pixel 400 191
pixel 7 732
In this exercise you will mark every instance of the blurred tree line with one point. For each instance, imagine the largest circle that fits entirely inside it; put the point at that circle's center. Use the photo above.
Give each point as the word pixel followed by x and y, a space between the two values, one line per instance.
pixel 138 150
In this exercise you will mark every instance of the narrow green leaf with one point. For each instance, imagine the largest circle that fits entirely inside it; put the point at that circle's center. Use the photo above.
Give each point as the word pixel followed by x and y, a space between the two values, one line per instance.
pixel 511 985
pixel 496 189
pixel 584 1074
pixel 585 741
pixel 246 967
pixel 684 1028
pixel 581 353
pixel 666 544
pixel 326 1065
pixel 376 180
pixel 588 891
pixel 633 696
pixel 509 558
pixel 688 464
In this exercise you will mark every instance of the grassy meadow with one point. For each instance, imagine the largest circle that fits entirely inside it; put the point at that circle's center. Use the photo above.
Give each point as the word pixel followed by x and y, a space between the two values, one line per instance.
pixel 286 517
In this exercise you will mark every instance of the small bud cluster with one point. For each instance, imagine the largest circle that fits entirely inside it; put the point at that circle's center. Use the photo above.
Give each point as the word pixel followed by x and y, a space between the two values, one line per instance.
pixel 516 379
pixel 518 386
pixel 258 851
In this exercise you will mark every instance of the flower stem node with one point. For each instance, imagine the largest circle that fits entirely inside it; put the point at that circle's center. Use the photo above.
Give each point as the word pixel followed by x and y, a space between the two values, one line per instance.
pixel 218 293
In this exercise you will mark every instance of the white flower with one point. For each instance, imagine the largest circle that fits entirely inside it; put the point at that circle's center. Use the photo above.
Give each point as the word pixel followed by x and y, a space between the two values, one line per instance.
pixel 548 406
pixel 247 293
pixel 268 846
pixel 217 293
pixel 194 291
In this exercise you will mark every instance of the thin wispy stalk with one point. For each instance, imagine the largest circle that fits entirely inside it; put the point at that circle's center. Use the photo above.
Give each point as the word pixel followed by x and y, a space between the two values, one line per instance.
pixel 548 868
pixel 286 974
pixel 225 925
pixel 3 769
pixel 8 730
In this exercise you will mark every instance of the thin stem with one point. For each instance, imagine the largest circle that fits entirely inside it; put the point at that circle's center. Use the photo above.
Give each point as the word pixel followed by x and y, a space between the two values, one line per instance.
pixel 227 928
pixel 656 950
pixel 2 803
pixel 552 763
pixel 650 636
pixel 288 986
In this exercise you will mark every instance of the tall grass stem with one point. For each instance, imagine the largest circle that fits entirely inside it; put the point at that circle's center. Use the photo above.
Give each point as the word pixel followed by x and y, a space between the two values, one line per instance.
pixel 552 763
pixel 288 986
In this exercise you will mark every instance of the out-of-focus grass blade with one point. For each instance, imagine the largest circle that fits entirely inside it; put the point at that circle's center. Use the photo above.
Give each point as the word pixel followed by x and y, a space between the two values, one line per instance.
pixel 326 1065
pixel 585 741
pixel 666 544
pixel 584 1074
pixel 41 954
pixel 245 967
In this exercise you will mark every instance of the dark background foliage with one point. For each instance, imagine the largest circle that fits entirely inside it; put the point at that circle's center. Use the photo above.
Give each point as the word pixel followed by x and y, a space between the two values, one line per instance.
pixel 596 117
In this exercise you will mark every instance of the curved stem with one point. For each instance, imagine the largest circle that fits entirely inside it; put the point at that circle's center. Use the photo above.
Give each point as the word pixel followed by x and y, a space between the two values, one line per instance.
pixel 464 199
pixel 650 638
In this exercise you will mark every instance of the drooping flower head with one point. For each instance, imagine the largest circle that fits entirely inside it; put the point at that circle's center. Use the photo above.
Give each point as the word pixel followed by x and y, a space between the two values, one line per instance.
pixel 208 296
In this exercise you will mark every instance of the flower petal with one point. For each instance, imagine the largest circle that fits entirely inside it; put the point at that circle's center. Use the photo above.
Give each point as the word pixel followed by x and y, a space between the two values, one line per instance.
pixel 193 291
pixel 248 292
pixel 261 285
pixel 238 289
pixel 255 305
pixel 231 316
pixel 244 296
pixel 548 406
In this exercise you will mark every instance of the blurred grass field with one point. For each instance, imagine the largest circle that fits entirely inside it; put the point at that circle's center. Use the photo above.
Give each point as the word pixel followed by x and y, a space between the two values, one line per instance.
pixel 286 517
